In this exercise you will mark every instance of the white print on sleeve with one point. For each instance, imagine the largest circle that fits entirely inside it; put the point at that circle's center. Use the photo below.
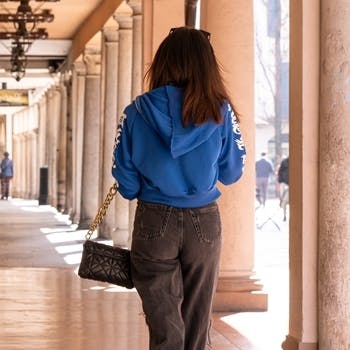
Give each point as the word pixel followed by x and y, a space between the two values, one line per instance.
pixel 234 120
pixel 240 144
pixel 236 130
pixel 117 136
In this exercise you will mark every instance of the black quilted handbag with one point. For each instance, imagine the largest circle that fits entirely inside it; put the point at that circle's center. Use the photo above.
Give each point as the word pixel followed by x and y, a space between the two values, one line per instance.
pixel 101 262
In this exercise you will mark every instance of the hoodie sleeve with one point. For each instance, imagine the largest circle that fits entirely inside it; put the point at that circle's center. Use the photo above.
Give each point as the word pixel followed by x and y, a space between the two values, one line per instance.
pixel 123 169
pixel 233 153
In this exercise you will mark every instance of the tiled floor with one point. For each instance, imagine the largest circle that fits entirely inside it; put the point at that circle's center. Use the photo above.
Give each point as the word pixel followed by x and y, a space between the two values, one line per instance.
pixel 45 305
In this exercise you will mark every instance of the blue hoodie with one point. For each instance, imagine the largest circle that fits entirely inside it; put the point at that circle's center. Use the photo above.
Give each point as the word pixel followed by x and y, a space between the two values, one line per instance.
pixel 158 160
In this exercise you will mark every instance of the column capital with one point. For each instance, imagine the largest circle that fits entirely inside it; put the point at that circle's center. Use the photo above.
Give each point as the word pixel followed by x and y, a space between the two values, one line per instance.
pixel 92 60
pixel 123 16
pixel 66 77
pixel 79 67
pixel 49 93
pixel 136 6
pixel 111 34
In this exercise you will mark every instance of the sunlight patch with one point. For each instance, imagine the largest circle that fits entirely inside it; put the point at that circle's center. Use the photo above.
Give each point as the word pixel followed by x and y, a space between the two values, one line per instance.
pixel 71 248
pixel 73 259
pixel 66 236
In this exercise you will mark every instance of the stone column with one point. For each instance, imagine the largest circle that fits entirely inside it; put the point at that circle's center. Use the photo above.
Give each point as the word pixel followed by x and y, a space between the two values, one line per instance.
pixel 120 235
pixel 238 287
pixel 22 149
pixel 3 134
pixel 22 118
pixel 55 124
pixel 91 145
pixel 25 126
pixel 48 137
pixel 52 127
pixel 32 150
pixel 334 185
pixel 28 154
pixel 62 150
pixel 78 109
pixel 110 62
pixel 156 24
pixel 42 131
pixel 15 188
pixel 19 122
pixel 303 174
pixel 30 160
pixel 35 155
pixel 17 185
pixel 67 81
pixel 136 79
pixel 34 168
pixel 190 12
pixel 8 132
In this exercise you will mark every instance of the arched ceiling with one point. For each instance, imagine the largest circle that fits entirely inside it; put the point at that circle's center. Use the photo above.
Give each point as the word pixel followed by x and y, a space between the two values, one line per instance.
pixel 75 23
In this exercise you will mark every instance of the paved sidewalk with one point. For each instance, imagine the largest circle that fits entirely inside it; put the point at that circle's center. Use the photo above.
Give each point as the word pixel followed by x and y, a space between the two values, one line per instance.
pixel 39 253
pixel 267 330
pixel 34 236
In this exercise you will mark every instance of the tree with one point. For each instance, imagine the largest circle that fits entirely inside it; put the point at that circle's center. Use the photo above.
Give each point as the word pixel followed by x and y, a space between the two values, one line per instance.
pixel 274 74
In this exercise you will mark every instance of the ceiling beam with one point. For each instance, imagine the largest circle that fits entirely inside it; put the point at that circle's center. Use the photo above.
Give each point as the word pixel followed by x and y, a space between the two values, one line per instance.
pixel 93 23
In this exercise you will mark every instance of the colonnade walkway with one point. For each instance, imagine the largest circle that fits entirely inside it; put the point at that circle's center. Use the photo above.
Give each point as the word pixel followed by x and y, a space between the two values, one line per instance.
pixel 45 305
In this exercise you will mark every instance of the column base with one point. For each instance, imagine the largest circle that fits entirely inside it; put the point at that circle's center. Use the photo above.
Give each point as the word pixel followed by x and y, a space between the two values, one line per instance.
pixel 75 217
pixel 84 224
pixel 237 294
pixel 292 343
pixel 104 231
pixel 120 237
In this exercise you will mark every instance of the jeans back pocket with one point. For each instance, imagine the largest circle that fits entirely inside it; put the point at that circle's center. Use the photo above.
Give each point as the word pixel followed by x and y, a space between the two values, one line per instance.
pixel 207 223
pixel 151 220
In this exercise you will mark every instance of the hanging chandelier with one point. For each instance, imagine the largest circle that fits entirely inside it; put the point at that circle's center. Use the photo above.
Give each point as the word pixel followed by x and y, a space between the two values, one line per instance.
pixel 25 31
pixel 18 60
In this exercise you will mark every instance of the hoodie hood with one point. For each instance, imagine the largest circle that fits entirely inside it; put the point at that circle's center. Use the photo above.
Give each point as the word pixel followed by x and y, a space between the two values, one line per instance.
pixel 157 160
pixel 161 109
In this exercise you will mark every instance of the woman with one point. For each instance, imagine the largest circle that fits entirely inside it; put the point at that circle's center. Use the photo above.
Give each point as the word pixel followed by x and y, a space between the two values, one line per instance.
pixel 173 144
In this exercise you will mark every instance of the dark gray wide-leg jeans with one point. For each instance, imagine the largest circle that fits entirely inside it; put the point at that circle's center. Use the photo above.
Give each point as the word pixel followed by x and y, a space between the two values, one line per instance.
pixel 175 260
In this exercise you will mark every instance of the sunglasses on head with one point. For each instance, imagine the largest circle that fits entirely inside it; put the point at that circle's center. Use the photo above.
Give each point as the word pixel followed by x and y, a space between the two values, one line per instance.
pixel 206 34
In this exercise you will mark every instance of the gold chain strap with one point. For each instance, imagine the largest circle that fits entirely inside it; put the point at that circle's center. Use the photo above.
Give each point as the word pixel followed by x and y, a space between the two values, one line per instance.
pixel 103 210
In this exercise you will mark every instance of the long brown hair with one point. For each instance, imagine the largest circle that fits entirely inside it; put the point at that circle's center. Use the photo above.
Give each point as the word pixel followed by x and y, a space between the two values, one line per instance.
pixel 185 58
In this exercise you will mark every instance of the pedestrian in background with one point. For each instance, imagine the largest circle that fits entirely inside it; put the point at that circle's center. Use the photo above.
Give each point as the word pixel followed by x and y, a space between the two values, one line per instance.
pixel 6 175
pixel 263 170
pixel 283 180
pixel 173 144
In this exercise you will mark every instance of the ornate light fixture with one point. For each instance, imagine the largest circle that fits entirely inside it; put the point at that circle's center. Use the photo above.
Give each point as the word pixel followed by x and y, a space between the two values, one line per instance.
pixel 25 31
pixel 18 60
